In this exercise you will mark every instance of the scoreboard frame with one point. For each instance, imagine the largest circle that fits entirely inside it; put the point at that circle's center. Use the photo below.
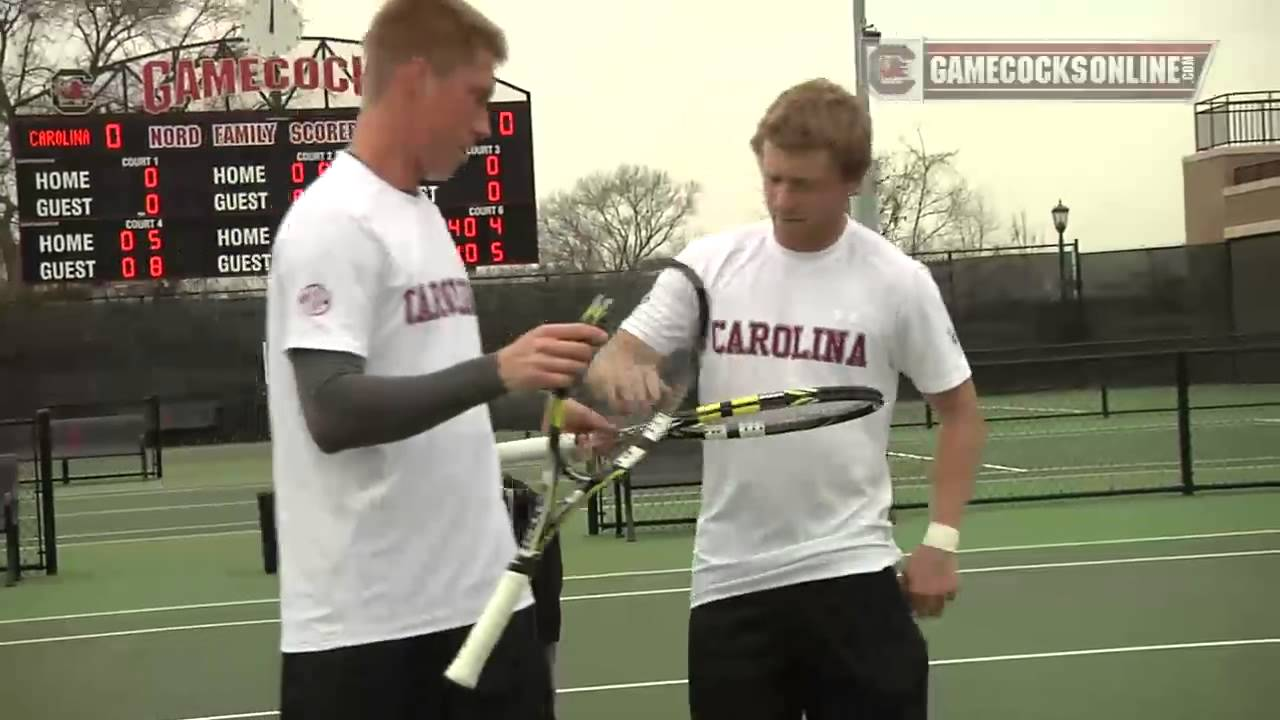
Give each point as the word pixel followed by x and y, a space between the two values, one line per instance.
pixel 197 194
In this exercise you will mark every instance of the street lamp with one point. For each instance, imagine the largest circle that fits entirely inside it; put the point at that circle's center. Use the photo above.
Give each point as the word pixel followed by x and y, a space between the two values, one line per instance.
pixel 1060 213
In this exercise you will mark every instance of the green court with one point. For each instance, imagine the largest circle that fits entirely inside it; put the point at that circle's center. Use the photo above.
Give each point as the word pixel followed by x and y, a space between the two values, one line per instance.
pixel 1150 606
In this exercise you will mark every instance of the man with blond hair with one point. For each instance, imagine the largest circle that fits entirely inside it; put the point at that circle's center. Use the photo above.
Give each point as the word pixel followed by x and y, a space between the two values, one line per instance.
pixel 797 609
pixel 390 513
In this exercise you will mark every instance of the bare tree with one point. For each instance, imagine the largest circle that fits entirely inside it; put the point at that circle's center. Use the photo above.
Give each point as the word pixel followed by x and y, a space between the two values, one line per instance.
pixel 37 37
pixel 616 220
pixel 1020 234
pixel 926 204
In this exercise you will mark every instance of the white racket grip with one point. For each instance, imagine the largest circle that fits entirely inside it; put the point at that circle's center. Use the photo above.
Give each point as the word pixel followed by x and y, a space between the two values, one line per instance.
pixel 528 450
pixel 466 666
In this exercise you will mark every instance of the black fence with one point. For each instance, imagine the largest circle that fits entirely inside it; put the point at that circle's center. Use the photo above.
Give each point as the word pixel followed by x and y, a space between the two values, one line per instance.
pixel 1121 423
pixel 205 352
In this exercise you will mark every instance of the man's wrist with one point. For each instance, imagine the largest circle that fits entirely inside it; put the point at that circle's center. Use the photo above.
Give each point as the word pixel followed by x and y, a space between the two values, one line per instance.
pixel 943 537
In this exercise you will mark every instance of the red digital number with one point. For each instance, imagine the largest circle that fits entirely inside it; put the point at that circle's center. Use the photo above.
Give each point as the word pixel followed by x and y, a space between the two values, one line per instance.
pixel 492 165
pixel 153 237
pixel 127 240
pixel 297 193
pixel 128 268
pixel 467 227
pixel 495 249
pixel 470 252
pixel 113 138
pixel 156 266
pixel 151 177
pixel 495 222
pixel 297 172
pixel 494 191
pixel 153 204
pixel 506 123
pixel 324 165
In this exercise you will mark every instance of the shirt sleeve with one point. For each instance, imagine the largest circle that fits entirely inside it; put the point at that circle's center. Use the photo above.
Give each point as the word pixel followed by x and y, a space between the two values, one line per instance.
pixel 666 318
pixel 327 272
pixel 926 346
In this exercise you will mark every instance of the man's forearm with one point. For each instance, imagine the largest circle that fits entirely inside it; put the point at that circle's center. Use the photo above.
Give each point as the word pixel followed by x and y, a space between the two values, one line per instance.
pixel 344 408
pixel 959 450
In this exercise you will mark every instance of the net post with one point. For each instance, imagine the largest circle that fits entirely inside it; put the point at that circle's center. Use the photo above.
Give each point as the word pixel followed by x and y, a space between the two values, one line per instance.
pixel 1184 423
pixel 153 429
pixel 13 558
pixel 9 498
pixel 593 515
pixel 44 453
pixel 628 508
pixel 267 531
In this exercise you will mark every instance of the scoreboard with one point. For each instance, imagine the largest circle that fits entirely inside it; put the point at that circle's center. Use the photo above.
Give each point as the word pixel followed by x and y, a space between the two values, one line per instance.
pixel 121 197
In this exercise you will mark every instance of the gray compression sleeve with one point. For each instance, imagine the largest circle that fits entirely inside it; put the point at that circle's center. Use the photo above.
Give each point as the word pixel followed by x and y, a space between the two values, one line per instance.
pixel 344 408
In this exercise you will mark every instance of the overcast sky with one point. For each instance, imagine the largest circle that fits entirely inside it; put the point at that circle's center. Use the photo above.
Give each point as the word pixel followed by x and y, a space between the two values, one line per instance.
pixel 614 82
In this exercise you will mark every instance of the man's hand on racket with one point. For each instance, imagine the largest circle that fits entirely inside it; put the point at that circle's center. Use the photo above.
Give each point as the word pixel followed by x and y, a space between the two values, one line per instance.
pixel 549 357
pixel 931 580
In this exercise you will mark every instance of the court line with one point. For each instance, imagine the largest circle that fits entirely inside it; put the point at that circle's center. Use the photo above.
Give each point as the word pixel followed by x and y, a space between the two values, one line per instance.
pixel 109 533
pixel 1102 470
pixel 158 508
pixel 162 538
pixel 91 495
pixel 929 459
pixel 677 571
pixel 935 663
pixel 569 598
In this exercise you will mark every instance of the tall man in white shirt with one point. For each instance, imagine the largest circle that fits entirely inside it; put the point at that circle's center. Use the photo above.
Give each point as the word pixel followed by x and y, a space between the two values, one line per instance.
pixel 797 607
pixel 390 513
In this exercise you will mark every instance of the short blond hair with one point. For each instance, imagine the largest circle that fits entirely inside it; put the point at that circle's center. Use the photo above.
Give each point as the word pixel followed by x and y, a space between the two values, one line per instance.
pixel 445 33
pixel 819 115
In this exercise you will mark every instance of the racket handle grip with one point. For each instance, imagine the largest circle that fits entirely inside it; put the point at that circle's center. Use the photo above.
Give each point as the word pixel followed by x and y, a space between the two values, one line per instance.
pixel 467 664
pixel 528 450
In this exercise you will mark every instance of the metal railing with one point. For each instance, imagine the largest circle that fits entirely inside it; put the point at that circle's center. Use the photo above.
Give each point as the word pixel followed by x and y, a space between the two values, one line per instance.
pixel 1238 118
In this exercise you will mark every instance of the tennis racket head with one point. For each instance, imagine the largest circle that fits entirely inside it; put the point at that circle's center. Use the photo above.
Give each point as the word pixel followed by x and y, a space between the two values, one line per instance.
pixel 777 412
pixel 649 368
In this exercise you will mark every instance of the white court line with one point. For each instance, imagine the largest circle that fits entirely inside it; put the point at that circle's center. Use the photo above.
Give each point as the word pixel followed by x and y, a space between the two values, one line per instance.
pixel 1151 468
pixel 677 571
pixel 936 663
pixel 1020 408
pixel 92 495
pixel 162 538
pixel 158 508
pixel 109 533
pixel 929 459
pixel 569 598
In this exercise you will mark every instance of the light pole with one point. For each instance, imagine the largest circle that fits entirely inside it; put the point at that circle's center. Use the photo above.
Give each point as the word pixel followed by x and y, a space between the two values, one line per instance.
pixel 865 206
pixel 1060 213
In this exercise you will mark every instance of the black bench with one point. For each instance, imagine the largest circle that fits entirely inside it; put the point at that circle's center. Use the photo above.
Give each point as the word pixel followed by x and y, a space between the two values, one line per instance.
pixel 107 436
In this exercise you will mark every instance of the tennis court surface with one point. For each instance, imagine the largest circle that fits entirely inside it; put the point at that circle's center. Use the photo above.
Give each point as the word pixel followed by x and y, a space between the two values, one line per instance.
pixel 1159 606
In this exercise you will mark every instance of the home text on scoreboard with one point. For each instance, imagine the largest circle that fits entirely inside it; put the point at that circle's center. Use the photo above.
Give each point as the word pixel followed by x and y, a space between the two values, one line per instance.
pixel 105 198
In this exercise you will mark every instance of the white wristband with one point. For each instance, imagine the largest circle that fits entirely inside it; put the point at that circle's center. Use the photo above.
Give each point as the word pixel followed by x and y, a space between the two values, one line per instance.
pixel 942 537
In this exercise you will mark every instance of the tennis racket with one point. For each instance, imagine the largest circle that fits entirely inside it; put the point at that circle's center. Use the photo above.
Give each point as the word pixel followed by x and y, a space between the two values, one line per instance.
pixel 676 307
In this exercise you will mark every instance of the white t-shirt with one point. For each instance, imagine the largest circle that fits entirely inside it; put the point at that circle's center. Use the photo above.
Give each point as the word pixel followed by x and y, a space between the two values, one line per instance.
pixel 399 539
pixel 809 505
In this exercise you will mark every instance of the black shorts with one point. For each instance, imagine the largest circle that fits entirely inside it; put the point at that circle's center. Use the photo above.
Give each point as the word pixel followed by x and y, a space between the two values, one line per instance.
pixel 847 647
pixel 404 680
